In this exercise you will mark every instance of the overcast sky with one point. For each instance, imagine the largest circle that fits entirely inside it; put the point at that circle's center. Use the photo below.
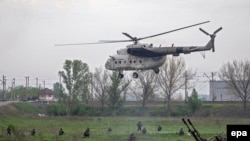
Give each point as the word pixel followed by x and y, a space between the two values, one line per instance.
pixel 30 28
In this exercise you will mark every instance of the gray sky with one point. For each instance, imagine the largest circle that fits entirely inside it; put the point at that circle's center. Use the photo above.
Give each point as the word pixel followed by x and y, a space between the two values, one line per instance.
pixel 30 28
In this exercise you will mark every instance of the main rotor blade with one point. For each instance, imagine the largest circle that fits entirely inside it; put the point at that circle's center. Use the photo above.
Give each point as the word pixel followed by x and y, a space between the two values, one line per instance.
pixel 77 44
pixel 129 36
pixel 113 41
pixel 100 42
pixel 172 30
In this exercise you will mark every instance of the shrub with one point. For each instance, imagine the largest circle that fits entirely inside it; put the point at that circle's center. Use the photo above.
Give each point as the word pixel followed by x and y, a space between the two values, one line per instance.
pixel 26 107
pixel 161 111
pixel 180 111
pixel 193 102
pixel 57 109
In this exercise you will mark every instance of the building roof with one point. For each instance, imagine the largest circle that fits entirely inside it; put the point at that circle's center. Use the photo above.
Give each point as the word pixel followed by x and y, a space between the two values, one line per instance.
pixel 45 92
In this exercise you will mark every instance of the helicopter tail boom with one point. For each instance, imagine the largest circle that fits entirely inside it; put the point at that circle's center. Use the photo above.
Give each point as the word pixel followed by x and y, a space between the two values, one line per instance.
pixel 175 51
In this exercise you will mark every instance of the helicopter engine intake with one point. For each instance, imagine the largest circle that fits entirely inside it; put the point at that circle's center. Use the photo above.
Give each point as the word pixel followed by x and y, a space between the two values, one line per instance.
pixel 122 51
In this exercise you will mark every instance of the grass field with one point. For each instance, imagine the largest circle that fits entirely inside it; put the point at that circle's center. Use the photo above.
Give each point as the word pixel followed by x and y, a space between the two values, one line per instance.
pixel 23 117
pixel 47 128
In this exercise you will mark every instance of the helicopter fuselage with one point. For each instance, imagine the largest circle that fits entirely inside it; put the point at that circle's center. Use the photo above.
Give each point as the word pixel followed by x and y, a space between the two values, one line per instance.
pixel 125 61
pixel 129 62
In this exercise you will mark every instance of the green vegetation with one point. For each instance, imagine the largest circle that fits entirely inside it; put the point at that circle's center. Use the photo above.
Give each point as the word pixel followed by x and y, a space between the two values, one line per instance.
pixel 47 128
pixel 22 93
pixel 193 102
pixel 115 92
pixel 57 109
pixel 23 117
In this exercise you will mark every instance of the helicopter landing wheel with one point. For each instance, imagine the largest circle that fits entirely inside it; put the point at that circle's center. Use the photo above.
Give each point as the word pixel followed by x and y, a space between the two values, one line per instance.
pixel 120 75
pixel 156 70
pixel 135 75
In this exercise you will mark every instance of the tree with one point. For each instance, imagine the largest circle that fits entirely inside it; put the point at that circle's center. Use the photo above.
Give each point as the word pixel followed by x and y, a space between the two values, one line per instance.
pixel 117 87
pixel 237 76
pixel 144 86
pixel 193 102
pixel 59 91
pixel 22 93
pixel 76 78
pixel 171 77
pixel 100 84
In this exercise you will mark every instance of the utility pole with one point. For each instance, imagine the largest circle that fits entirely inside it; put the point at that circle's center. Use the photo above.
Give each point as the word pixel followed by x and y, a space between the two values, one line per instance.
pixel 4 86
pixel 44 84
pixel 13 90
pixel 60 86
pixel 188 76
pixel 212 84
pixel 212 74
pixel 27 86
pixel 36 82
pixel 186 93
pixel 92 89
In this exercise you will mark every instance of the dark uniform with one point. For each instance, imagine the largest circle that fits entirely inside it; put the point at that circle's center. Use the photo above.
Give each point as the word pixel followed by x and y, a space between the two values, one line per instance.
pixel 61 132
pixel 159 128
pixel 86 133
pixel 132 137
pixel 9 130
pixel 144 131
pixel 139 125
pixel 109 130
pixel 181 132
pixel 33 132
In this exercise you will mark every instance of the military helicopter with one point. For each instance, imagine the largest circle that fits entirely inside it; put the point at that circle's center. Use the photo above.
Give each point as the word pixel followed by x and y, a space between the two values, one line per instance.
pixel 142 56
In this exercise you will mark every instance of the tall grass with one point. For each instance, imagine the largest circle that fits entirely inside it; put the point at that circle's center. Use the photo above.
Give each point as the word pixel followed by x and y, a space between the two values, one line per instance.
pixel 23 117
pixel 47 128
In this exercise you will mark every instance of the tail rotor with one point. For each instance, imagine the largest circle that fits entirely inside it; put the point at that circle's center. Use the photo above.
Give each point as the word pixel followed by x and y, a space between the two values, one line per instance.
pixel 219 29
pixel 204 31
pixel 212 36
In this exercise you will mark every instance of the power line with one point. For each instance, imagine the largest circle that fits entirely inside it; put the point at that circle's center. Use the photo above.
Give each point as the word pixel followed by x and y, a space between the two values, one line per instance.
pixel 25 81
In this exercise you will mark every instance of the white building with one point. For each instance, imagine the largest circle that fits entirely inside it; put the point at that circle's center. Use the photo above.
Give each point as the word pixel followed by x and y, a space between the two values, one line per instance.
pixel 220 91
pixel 46 95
